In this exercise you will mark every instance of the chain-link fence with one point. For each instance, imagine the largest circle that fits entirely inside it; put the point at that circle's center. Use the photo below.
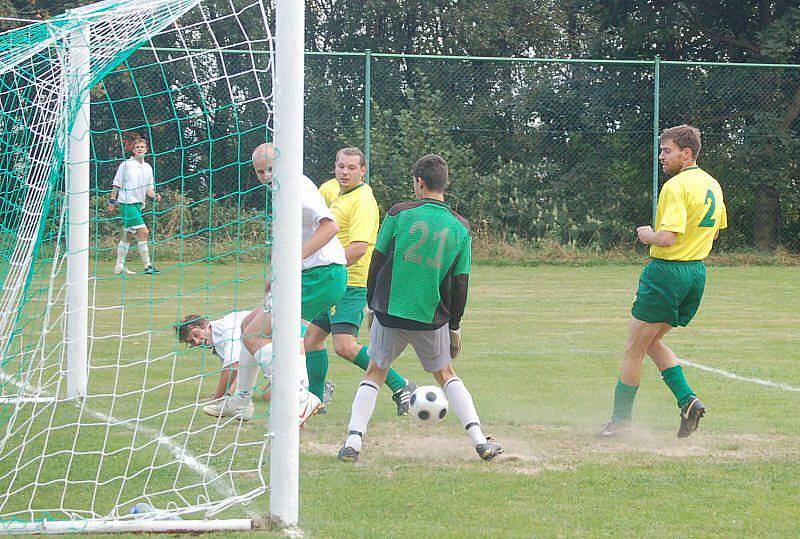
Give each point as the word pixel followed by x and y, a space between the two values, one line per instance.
pixel 540 150
pixel 563 150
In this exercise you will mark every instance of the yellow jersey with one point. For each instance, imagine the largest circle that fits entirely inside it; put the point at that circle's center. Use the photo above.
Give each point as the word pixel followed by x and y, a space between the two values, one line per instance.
pixel 691 204
pixel 329 191
pixel 357 215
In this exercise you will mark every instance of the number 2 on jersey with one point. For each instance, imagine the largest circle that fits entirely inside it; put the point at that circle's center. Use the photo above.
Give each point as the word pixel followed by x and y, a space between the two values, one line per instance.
pixel 709 221
pixel 412 253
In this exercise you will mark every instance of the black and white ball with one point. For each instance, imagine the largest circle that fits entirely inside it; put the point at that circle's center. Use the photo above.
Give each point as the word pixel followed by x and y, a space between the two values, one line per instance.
pixel 429 405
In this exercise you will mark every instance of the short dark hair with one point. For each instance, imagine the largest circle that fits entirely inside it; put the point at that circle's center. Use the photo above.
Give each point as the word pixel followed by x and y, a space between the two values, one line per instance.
pixel 433 169
pixel 185 326
pixel 353 151
pixel 684 136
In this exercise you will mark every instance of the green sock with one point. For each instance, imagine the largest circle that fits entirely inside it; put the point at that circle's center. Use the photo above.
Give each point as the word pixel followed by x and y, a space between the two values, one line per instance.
pixel 676 383
pixel 317 367
pixel 362 359
pixel 623 401
pixel 393 379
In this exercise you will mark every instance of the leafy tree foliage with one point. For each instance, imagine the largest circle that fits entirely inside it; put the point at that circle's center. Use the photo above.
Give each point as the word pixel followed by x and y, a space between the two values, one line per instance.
pixel 537 150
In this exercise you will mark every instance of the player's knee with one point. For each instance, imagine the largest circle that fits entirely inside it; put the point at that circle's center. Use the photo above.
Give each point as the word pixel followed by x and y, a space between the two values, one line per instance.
pixel 635 348
pixel 249 340
pixel 314 339
pixel 445 374
pixel 344 347
pixel 375 374
pixel 248 343
pixel 654 346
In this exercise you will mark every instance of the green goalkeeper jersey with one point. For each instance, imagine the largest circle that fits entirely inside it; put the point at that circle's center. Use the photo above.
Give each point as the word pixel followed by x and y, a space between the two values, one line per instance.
pixel 419 273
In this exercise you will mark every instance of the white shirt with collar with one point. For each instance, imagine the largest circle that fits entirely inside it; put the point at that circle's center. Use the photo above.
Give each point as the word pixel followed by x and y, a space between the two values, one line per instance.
pixel 132 180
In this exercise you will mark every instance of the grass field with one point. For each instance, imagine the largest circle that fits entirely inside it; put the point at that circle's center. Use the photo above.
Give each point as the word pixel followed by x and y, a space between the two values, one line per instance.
pixel 542 347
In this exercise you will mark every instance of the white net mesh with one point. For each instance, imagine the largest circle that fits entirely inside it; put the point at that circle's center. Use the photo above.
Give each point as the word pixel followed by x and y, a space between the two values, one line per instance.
pixel 194 78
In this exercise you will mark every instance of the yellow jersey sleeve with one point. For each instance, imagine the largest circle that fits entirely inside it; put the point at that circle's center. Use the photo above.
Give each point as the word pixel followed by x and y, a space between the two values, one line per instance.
pixel 723 217
pixel 364 222
pixel 329 191
pixel 671 209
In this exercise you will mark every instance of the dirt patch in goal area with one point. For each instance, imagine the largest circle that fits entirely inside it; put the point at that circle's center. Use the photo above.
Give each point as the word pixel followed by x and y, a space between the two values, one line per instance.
pixel 532 449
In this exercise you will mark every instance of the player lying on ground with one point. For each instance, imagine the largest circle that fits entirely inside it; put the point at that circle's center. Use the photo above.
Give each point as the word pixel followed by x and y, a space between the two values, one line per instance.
pixel 691 211
pixel 224 337
pixel 324 281
pixel 423 248
pixel 353 205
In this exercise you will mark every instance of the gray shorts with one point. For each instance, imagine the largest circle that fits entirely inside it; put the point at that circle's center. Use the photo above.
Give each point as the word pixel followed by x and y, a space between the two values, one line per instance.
pixel 432 346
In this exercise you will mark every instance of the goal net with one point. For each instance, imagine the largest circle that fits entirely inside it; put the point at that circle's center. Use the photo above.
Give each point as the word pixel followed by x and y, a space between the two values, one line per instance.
pixel 86 440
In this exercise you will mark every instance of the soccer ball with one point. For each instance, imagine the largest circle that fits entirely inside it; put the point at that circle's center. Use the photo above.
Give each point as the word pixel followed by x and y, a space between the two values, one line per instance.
pixel 428 405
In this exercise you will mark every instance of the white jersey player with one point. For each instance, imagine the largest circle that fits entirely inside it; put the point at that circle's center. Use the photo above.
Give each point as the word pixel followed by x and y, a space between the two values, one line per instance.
pixel 224 337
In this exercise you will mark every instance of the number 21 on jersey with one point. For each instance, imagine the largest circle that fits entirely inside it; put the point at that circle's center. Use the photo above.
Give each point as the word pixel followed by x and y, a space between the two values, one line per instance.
pixel 414 253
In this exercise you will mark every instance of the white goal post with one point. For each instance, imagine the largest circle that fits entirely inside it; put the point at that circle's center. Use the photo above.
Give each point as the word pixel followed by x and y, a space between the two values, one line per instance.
pixel 287 264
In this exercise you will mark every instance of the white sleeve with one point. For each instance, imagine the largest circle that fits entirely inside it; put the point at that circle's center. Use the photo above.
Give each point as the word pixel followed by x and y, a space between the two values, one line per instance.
pixel 234 351
pixel 224 341
pixel 315 204
pixel 151 184
pixel 119 177
pixel 229 358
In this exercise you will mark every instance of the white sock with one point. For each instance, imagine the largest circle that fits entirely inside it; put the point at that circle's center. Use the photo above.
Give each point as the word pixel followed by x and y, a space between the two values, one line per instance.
pixel 122 252
pixel 303 383
pixel 144 251
pixel 249 367
pixel 264 358
pixel 462 405
pixel 363 406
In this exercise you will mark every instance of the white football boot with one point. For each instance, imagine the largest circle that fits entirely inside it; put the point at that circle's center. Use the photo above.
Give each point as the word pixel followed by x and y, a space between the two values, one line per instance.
pixel 229 409
pixel 309 408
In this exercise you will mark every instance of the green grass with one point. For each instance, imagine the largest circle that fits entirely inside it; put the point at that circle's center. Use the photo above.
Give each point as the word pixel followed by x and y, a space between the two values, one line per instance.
pixel 542 347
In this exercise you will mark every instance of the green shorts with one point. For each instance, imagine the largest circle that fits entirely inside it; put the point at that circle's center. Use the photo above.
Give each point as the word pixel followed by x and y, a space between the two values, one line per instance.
pixel 131 216
pixel 322 286
pixel 346 316
pixel 669 292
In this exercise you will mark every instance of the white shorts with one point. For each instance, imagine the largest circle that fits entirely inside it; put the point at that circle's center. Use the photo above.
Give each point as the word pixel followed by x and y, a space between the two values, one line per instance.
pixel 134 228
pixel 432 346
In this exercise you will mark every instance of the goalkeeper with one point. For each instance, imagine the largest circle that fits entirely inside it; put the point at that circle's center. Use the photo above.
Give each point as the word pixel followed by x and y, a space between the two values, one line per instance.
pixel 417 287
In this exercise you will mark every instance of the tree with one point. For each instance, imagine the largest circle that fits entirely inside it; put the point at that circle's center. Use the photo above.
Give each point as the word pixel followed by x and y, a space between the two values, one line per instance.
pixel 749 113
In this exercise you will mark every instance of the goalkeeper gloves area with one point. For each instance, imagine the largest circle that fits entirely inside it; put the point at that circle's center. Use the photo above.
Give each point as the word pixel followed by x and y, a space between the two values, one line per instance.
pixel 455 342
